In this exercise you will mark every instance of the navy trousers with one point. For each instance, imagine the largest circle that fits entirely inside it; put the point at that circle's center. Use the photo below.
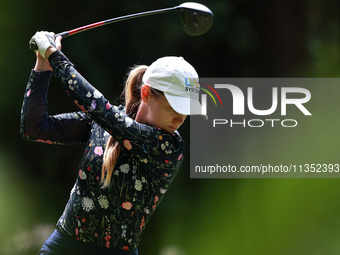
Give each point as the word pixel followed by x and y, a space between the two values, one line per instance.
pixel 60 244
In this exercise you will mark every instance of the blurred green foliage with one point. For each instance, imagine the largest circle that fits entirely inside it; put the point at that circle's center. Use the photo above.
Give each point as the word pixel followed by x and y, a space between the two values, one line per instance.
pixel 225 216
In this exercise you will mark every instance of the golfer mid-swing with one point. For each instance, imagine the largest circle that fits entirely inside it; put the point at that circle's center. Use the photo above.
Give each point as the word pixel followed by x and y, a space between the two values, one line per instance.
pixel 132 154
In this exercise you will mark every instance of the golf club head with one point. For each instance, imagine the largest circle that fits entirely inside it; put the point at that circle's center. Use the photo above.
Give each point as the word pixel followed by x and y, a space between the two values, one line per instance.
pixel 196 18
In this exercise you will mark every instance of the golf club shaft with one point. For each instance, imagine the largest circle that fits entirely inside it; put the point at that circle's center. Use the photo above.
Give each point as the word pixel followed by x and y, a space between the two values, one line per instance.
pixel 113 20
pixel 65 34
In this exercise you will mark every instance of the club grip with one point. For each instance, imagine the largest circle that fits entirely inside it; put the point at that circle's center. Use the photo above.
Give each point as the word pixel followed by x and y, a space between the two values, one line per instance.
pixel 63 34
pixel 33 46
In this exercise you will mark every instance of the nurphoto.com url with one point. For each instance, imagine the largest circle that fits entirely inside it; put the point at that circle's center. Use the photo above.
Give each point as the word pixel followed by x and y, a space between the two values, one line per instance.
pixel 263 169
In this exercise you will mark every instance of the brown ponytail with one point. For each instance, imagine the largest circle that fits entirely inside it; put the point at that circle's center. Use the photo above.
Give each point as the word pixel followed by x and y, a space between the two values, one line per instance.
pixel 131 92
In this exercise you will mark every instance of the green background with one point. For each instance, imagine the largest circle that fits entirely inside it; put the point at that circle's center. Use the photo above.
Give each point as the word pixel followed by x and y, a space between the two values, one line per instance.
pixel 292 38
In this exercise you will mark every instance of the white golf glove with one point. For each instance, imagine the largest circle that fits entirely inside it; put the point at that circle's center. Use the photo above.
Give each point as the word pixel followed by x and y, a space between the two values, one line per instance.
pixel 43 40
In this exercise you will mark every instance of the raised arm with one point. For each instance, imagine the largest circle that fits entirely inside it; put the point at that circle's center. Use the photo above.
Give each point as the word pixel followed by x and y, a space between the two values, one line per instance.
pixel 36 124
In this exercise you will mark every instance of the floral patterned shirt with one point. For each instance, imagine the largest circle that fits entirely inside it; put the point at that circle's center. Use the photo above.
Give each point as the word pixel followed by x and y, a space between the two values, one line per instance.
pixel 112 217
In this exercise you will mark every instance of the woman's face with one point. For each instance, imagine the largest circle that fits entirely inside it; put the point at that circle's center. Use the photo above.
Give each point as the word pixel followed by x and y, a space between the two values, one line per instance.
pixel 163 116
pixel 156 111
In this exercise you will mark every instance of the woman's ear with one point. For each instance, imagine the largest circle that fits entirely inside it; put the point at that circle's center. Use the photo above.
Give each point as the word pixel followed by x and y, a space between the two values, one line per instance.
pixel 145 93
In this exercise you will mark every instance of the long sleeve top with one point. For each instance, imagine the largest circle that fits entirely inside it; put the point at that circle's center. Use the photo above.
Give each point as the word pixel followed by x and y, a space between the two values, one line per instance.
pixel 112 217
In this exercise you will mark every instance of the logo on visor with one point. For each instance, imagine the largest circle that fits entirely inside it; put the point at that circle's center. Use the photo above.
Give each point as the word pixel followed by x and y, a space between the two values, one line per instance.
pixel 192 85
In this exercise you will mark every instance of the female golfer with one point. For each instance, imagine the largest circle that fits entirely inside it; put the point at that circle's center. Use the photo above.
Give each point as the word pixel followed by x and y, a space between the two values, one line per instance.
pixel 132 153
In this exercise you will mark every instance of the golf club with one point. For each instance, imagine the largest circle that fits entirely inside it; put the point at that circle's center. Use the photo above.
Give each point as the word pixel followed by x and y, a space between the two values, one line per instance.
pixel 196 20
